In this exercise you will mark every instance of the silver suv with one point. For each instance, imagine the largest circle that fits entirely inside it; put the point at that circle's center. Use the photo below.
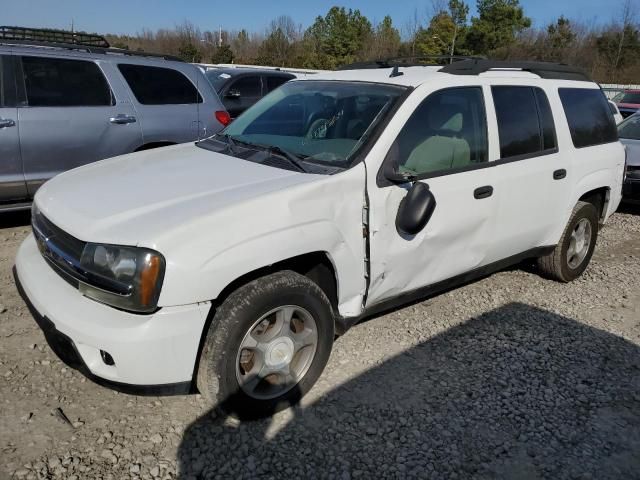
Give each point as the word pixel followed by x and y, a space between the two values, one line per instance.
pixel 67 99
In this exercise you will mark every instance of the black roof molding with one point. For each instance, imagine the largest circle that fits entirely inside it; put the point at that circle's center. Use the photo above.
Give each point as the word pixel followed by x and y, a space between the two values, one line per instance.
pixel 80 41
pixel 556 71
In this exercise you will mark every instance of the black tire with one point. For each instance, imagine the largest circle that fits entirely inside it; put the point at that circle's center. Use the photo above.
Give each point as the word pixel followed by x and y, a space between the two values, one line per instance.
pixel 556 265
pixel 216 377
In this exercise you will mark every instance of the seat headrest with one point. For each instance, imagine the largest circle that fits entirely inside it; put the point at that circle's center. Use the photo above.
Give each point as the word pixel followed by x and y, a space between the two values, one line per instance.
pixel 445 117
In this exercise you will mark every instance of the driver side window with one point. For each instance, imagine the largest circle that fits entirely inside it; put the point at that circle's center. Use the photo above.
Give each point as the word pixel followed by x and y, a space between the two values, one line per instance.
pixel 447 131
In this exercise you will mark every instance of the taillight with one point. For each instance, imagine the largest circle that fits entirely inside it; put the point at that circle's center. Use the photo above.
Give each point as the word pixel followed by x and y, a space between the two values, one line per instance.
pixel 223 117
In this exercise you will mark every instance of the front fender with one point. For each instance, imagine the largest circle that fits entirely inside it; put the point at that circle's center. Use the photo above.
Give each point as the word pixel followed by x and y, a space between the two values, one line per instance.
pixel 322 216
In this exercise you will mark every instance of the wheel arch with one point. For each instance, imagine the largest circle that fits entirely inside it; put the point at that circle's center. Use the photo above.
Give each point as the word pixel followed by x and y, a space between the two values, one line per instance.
pixel 599 197
pixel 317 266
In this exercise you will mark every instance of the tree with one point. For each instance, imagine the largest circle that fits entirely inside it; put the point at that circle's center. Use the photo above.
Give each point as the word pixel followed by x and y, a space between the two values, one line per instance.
pixel 222 54
pixel 337 39
pixel 190 53
pixel 497 25
pixel 437 38
pixel 386 42
pixel 459 11
pixel 560 36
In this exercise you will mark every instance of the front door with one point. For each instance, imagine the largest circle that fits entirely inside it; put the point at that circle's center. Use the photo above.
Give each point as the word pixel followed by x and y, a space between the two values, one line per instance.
pixel 12 185
pixel 443 144
pixel 69 117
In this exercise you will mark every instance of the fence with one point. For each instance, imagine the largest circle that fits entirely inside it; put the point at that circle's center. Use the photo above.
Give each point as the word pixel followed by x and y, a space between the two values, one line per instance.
pixel 611 89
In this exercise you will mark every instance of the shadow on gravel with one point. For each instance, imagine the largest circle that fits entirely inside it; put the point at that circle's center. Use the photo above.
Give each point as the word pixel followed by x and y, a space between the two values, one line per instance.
pixel 518 392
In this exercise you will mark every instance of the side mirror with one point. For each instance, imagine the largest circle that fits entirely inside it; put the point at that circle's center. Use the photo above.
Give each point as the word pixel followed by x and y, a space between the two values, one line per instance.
pixel 415 209
pixel 233 94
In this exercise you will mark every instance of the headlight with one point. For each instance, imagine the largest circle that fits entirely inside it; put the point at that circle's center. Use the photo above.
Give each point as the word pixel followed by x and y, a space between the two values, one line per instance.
pixel 125 277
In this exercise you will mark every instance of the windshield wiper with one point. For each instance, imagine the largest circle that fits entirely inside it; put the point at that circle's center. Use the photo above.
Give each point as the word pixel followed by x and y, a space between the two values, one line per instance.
pixel 291 157
pixel 286 154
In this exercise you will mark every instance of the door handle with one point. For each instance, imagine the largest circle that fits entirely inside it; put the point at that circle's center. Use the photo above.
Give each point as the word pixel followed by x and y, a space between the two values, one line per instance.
pixel 559 174
pixel 7 122
pixel 121 119
pixel 483 192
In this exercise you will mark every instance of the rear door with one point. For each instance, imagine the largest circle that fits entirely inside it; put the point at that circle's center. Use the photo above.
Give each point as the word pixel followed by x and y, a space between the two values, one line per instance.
pixel 533 175
pixel 166 100
pixel 12 184
pixel 68 116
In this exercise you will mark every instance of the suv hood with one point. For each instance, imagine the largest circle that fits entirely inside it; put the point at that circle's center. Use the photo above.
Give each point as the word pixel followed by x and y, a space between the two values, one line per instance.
pixel 135 199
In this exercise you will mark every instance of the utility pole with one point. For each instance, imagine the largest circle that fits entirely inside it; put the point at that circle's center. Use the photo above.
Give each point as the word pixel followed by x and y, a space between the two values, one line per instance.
pixel 220 36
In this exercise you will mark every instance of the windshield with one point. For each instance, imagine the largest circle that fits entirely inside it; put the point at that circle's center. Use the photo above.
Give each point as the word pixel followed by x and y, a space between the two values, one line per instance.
pixel 630 128
pixel 627 97
pixel 323 122
pixel 217 78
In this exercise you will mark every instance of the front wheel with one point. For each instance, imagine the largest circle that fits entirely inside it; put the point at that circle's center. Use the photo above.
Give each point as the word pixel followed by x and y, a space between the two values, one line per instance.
pixel 573 253
pixel 267 345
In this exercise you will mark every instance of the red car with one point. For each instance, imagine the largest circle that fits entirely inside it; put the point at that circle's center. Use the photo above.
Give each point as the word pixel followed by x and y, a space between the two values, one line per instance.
pixel 628 102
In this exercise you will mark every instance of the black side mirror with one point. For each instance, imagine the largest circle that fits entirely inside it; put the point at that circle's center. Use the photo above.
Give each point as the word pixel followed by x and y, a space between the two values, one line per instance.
pixel 233 94
pixel 415 209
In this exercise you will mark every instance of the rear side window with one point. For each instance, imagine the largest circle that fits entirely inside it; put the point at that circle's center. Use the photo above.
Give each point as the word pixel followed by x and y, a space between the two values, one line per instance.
pixel 275 82
pixel 525 121
pixel 159 86
pixel 57 82
pixel 247 86
pixel 589 117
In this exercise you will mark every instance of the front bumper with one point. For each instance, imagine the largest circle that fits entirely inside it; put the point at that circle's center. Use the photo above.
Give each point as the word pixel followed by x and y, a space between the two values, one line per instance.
pixel 155 352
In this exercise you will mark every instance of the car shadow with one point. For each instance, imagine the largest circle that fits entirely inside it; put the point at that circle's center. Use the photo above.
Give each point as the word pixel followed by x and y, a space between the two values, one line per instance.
pixel 630 208
pixel 518 392
pixel 19 218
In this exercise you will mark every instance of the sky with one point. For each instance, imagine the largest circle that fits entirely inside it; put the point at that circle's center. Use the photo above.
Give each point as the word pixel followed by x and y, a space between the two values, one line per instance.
pixel 131 16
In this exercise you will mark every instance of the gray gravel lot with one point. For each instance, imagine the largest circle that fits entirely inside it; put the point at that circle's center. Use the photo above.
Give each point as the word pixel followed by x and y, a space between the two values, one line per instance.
pixel 513 376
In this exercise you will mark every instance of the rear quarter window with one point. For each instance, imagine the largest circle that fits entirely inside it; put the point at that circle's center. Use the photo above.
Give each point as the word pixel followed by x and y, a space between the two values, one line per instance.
pixel 589 117
pixel 159 86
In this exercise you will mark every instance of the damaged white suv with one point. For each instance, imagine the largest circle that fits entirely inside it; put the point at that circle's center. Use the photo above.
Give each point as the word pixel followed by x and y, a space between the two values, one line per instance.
pixel 229 265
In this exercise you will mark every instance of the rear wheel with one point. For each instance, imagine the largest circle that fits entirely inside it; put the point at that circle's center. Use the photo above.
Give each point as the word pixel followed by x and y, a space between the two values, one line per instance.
pixel 267 345
pixel 573 253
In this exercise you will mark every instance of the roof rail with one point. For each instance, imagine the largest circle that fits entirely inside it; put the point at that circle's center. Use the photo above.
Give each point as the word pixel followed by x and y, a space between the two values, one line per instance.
pixel 557 71
pixel 411 61
pixel 53 36
pixel 81 41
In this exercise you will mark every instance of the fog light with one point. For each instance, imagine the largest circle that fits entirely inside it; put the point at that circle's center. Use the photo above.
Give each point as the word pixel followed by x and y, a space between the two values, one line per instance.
pixel 107 358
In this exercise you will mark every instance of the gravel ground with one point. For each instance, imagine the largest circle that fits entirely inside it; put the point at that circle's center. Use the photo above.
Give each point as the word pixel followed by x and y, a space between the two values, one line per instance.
pixel 509 377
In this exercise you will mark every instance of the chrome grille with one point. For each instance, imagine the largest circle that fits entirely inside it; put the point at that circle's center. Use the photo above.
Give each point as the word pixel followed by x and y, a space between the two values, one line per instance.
pixel 61 250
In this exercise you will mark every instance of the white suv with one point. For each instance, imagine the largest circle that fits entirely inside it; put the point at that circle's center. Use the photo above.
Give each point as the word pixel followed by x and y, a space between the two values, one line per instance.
pixel 230 264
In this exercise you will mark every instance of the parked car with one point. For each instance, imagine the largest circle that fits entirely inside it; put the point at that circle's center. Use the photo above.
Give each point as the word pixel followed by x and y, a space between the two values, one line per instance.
pixel 628 102
pixel 629 132
pixel 617 116
pixel 64 105
pixel 230 264
pixel 240 88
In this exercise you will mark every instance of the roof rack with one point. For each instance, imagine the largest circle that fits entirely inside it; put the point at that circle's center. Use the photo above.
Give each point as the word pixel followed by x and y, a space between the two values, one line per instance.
pixel 81 41
pixel 411 61
pixel 556 71
pixel 53 36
